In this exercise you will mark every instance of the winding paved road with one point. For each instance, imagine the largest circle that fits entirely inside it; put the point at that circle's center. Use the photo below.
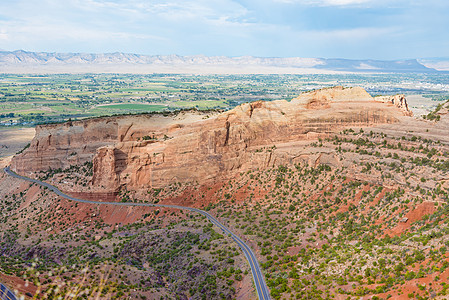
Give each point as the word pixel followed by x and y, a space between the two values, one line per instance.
pixel 259 281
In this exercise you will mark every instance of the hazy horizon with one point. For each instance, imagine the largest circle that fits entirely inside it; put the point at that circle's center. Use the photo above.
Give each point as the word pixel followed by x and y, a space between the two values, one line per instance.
pixel 230 56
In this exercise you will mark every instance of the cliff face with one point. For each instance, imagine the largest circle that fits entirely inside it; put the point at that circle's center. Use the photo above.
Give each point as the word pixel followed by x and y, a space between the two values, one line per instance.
pixel 397 100
pixel 154 151
pixel 61 145
pixel 72 143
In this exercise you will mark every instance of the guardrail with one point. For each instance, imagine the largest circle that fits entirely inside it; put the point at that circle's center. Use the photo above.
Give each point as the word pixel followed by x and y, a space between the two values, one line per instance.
pixel 6 294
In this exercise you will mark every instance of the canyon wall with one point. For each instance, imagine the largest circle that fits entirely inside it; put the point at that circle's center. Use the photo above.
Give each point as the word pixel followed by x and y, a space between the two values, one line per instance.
pixel 156 150
pixel 73 143
pixel 61 145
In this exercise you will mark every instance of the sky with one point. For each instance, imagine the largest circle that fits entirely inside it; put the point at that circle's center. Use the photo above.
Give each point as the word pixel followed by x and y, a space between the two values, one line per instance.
pixel 355 29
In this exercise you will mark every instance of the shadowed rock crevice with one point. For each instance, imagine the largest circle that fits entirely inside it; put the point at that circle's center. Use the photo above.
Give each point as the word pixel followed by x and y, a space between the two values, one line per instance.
pixel 228 125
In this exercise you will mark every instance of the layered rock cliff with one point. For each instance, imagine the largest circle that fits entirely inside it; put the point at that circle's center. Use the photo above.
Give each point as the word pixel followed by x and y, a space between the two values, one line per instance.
pixel 155 150
pixel 397 100
pixel 61 145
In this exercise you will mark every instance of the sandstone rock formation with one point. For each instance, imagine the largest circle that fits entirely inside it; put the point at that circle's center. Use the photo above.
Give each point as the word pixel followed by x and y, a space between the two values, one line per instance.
pixel 155 150
pixel 397 100
pixel 61 145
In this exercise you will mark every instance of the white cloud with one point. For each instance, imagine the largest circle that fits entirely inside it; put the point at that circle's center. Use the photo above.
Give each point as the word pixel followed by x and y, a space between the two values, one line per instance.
pixel 171 9
pixel 4 35
pixel 38 31
pixel 342 2
pixel 353 34
pixel 325 3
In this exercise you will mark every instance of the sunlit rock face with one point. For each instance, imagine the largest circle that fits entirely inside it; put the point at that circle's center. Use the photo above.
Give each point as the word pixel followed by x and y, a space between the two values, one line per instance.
pixel 156 150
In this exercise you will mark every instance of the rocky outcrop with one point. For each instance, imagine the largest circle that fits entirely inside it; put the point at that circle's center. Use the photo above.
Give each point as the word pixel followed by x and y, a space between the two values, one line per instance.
pixel 73 143
pixel 61 145
pixel 397 100
pixel 155 150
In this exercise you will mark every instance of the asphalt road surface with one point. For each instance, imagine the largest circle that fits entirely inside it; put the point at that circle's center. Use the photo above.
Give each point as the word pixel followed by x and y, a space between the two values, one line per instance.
pixel 259 281
pixel 6 294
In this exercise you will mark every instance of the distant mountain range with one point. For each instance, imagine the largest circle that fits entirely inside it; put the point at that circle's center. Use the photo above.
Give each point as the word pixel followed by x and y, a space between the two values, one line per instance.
pixel 42 62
